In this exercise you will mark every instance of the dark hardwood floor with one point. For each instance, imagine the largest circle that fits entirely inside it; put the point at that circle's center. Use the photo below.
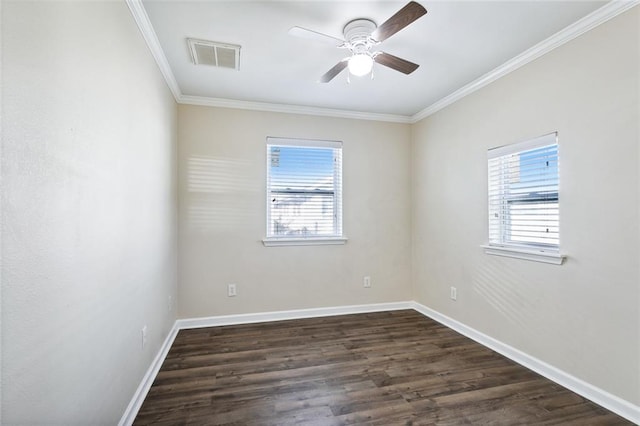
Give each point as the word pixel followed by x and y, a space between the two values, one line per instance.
pixel 388 368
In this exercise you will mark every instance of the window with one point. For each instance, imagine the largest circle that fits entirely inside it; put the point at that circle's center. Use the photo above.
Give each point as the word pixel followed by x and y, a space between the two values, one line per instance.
pixel 523 200
pixel 304 192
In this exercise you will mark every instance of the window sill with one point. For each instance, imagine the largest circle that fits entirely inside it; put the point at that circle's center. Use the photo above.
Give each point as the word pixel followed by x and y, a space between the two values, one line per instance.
pixel 517 253
pixel 311 241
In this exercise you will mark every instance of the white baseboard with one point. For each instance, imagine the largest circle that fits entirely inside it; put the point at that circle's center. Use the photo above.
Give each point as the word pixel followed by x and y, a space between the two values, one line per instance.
pixel 143 389
pixel 601 397
pixel 611 402
pixel 288 315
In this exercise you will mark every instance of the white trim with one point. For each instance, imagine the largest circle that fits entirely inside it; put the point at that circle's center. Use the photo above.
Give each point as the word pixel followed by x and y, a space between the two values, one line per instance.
pixel 291 109
pixel 142 19
pixel 312 241
pixel 598 17
pixel 333 236
pixel 526 145
pixel 299 142
pixel 140 394
pixel 143 389
pixel 601 397
pixel 148 33
pixel 288 315
pixel 518 253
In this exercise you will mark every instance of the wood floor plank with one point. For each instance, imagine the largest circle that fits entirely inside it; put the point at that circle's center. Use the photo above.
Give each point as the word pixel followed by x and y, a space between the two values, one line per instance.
pixel 386 368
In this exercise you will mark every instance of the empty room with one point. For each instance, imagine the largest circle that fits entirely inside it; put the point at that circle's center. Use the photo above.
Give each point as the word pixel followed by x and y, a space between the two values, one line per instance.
pixel 320 212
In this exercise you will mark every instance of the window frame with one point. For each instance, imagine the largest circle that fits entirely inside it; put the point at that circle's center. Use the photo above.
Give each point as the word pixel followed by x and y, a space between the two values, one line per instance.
pixel 337 237
pixel 506 246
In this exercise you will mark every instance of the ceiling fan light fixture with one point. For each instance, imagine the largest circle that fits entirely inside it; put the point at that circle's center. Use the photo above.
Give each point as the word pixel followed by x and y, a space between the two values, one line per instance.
pixel 360 64
pixel 361 36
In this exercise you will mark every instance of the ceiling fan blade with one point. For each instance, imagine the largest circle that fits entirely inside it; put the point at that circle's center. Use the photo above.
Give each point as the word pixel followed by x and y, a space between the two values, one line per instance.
pixel 314 35
pixel 337 69
pixel 395 63
pixel 409 13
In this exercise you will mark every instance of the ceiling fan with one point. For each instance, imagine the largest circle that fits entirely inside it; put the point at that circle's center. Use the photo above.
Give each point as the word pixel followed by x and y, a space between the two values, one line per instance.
pixel 361 36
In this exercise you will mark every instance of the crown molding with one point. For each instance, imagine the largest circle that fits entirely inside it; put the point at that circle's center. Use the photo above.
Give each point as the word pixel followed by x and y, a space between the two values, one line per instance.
pixel 148 33
pixel 142 20
pixel 594 19
pixel 291 109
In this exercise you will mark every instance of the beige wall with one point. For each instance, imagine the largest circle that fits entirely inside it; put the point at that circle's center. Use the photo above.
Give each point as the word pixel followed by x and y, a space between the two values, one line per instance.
pixel 582 317
pixel 89 211
pixel 222 167
pixel 89 231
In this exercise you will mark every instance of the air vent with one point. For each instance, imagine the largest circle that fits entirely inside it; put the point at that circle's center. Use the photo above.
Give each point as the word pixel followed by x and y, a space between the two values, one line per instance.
pixel 216 54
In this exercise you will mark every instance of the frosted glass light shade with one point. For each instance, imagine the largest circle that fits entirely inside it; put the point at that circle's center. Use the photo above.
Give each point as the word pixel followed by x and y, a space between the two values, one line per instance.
pixel 360 64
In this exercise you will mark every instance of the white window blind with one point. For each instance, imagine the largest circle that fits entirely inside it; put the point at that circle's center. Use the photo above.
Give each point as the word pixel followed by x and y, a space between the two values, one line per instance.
pixel 304 189
pixel 523 195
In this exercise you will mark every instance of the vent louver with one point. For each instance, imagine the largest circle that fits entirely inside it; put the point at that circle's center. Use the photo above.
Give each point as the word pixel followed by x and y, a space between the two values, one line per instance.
pixel 224 55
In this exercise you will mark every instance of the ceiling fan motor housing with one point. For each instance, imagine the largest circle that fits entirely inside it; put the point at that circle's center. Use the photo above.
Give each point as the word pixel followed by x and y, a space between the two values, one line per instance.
pixel 358 34
pixel 361 36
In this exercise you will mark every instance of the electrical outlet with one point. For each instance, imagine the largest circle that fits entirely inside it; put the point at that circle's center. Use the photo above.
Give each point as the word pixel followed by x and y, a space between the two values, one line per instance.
pixel 454 293
pixel 144 337
pixel 231 290
pixel 366 282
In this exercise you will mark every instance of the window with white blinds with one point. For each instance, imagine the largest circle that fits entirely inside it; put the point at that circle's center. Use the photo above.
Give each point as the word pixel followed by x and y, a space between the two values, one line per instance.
pixel 304 189
pixel 523 195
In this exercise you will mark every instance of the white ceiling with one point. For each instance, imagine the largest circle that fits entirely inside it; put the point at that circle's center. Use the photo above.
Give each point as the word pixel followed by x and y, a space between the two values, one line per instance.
pixel 456 43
